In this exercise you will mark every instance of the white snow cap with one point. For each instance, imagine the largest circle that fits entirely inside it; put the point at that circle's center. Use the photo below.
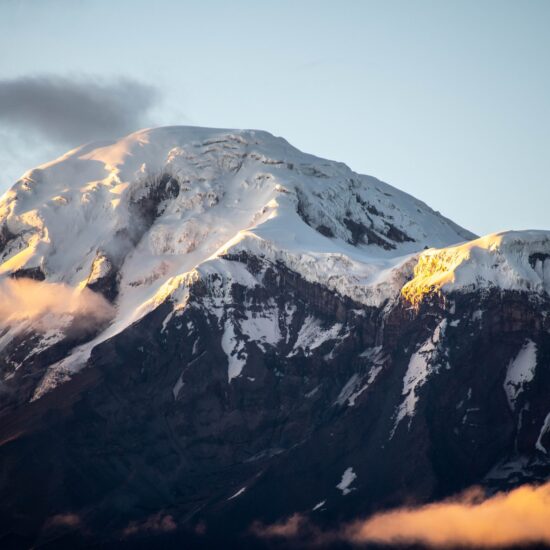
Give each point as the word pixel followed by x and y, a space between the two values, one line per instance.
pixel 162 206
pixel 232 190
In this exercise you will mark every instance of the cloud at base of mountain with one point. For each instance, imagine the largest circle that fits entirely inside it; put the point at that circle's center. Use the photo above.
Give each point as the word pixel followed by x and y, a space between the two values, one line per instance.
pixel 518 517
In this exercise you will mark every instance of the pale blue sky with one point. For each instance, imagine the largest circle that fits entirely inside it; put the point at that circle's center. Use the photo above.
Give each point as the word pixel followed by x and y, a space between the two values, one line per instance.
pixel 447 100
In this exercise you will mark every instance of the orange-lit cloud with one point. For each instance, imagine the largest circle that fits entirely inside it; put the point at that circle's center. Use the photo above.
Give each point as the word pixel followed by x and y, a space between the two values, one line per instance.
pixel 291 527
pixel 158 523
pixel 45 304
pixel 65 520
pixel 519 517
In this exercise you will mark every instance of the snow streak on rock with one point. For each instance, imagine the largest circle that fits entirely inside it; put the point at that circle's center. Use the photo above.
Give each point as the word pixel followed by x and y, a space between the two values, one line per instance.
pixel 421 364
pixel 520 372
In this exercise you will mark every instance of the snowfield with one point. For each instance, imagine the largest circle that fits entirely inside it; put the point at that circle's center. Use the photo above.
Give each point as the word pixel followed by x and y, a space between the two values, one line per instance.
pixel 141 218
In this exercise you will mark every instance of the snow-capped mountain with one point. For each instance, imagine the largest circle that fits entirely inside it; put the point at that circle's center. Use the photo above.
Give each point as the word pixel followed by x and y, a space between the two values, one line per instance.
pixel 210 327
pixel 139 218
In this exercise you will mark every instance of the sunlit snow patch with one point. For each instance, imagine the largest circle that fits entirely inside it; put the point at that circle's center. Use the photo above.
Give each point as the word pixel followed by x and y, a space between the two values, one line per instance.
pixel 348 477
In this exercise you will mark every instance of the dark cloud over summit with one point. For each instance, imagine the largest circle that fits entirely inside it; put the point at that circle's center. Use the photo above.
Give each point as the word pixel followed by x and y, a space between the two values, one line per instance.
pixel 72 111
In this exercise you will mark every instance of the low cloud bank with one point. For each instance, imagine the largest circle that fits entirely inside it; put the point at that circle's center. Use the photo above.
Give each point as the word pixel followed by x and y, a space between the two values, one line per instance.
pixel 518 517
pixel 521 516
pixel 50 305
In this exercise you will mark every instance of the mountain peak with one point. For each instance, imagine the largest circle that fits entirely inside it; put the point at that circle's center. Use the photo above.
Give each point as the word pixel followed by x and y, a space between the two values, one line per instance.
pixel 130 218
pixel 220 309
pixel 178 192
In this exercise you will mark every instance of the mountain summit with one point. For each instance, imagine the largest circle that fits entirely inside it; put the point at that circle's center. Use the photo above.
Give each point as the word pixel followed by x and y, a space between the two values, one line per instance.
pixel 202 329
pixel 135 219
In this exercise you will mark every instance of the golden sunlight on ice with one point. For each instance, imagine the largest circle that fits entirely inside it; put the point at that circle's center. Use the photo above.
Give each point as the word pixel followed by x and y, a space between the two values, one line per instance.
pixel 436 268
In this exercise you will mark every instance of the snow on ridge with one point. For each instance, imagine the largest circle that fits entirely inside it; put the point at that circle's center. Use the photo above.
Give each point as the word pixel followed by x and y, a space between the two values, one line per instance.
pixel 511 260
pixel 367 279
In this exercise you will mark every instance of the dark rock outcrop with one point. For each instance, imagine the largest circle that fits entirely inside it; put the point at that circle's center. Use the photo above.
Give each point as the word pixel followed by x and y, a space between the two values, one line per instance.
pixel 152 428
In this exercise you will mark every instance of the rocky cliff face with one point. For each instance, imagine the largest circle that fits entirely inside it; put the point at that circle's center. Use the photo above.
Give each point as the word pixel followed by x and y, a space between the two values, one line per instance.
pixel 257 357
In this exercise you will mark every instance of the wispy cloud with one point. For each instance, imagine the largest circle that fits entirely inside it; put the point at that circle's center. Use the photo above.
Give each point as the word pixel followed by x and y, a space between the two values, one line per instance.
pixel 292 527
pixel 71 111
pixel 46 305
pixel 159 523
pixel 68 519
